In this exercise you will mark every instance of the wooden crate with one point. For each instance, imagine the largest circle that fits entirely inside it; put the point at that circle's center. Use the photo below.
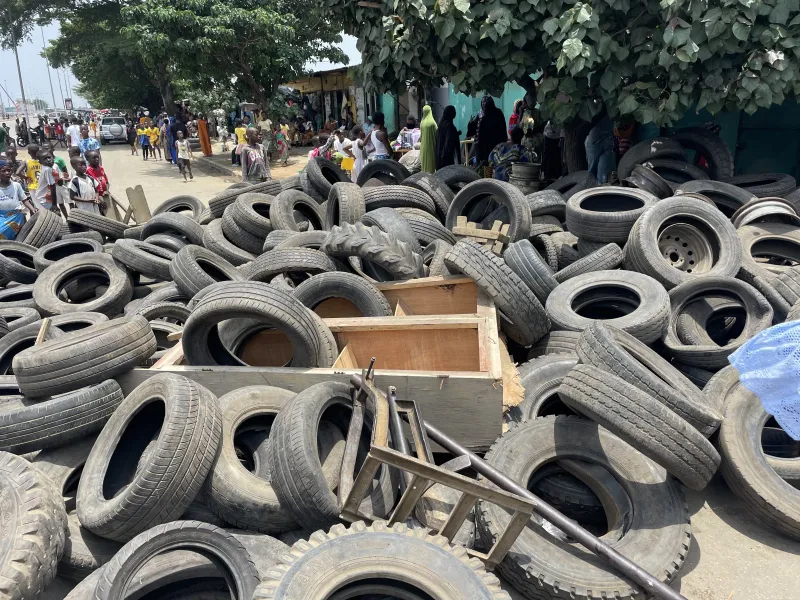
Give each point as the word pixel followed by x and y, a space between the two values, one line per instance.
pixel 441 349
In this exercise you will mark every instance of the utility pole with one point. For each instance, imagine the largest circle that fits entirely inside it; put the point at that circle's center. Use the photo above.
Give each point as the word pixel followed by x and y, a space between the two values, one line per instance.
pixel 47 60
pixel 21 86
pixel 60 89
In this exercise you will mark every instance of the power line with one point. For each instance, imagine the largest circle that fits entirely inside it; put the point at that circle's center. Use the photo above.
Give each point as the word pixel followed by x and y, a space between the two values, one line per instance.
pixel 47 62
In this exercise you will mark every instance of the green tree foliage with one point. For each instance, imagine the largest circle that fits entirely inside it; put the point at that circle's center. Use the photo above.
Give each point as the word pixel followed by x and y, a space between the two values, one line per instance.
pixel 106 62
pixel 649 59
pixel 40 104
pixel 249 45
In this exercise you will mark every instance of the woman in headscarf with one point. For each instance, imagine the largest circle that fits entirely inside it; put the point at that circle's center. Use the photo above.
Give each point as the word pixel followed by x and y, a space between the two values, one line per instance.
pixel 202 133
pixel 448 150
pixel 427 140
pixel 170 135
pixel 514 119
pixel 491 130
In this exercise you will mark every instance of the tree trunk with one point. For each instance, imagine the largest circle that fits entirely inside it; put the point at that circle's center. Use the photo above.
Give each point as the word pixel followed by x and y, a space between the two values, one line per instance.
pixel 165 88
pixel 574 150
pixel 259 97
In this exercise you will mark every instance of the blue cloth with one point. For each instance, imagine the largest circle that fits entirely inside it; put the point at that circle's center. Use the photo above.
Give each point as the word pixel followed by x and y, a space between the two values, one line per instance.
pixel 171 141
pixel 10 223
pixel 769 366
pixel 87 145
pixel 600 156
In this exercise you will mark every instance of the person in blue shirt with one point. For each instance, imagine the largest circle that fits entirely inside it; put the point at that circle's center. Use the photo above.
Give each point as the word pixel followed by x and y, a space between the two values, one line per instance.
pixel 86 143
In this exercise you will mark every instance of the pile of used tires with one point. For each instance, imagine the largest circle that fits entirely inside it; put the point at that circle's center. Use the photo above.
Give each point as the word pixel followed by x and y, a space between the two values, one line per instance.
pixel 621 305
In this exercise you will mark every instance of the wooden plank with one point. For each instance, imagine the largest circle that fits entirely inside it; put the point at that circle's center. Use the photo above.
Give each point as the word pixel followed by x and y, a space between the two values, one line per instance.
pixel 346 359
pixel 513 392
pixel 43 329
pixel 422 282
pixel 172 357
pixel 466 406
pixel 138 202
pixel 403 323
pixel 441 299
pixel 401 310
pixel 488 337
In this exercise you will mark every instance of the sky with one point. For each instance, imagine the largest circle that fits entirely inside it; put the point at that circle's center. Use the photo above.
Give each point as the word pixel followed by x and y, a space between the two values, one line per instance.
pixel 34 70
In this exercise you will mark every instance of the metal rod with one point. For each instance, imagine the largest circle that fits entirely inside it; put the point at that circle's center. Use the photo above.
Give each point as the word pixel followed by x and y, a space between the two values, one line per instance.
pixel 650 584
pixel 398 437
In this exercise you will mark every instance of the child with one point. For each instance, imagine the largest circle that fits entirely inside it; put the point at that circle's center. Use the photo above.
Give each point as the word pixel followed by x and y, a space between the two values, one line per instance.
pixel 98 173
pixel 132 139
pixel 46 194
pixel 63 180
pixel 184 151
pixel 12 199
pixel 83 188
pixel 87 143
pixel 241 140
pixel 255 166
pixel 155 143
pixel 144 140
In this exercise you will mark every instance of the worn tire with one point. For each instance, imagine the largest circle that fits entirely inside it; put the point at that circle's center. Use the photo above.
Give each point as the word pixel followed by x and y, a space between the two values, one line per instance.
pixel 366 298
pixel 390 221
pixel 172 469
pixel 41 229
pixel 397 196
pixel 244 240
pixel 433 258
pixel 346 204
pixel 428 230
pixel 385 168
pixel 643 422
pixel 726 197
pixel 167 241
pixel 19 317
pixel 16 261
pixel 301 261
pixel 647 150
pixel 291 207
pixel 573 183
pixel 556 342
pixel 55 251
pixel 606 214
pixel 456 177
pixel 709 146
pixel 221 201
pixel 605 259
pixel 527 263
pixel 251 213
pixel 195 268
pixel 324 173
pixel 646 299
pixel 214 240
pixel 108 227
pixel 434 187
pixel 21 339
pixel 763 185
pixel 143 258
pixel 546 248
pixel 527 321
pixel 504 195
pixel 541 377
pixel 178 204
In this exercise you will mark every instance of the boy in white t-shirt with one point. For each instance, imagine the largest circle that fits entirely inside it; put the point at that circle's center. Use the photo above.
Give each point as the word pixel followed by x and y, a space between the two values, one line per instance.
pixel 46 194
pixel 83 188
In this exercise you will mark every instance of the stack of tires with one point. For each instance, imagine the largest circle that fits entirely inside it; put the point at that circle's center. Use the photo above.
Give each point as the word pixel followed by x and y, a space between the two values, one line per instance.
pixel 620 304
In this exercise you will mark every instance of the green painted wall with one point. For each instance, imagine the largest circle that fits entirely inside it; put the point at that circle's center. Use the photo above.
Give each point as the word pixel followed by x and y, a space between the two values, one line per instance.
pixel 389 108
pixel 466 106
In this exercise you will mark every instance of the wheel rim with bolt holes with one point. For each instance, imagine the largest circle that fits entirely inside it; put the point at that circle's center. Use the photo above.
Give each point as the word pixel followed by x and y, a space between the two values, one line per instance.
pixel 685 248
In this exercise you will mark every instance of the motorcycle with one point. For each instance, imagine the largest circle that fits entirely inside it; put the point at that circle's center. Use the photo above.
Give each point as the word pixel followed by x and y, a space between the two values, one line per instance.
pixel 22 141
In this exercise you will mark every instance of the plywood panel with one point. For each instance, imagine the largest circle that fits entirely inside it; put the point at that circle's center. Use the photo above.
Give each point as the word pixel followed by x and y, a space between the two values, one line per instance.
pixel 434 295
pixel 415 349
pixel 463 405
pixel 336 308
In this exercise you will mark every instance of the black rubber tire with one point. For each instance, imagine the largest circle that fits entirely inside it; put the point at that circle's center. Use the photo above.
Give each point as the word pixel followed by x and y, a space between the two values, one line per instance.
pixel 302 261
pixel 545 225
pixel 758 310
pixel 388 257
pixel 83 235
pixel 397 196
pixel 390 221
pixel 586 247
pixel 565 245
pixel 777 241
pixel 49 284
pixel 251 213
pixel 642 421
pixel 297 475
pixel 190 276
pixel 84 357
pixel 40 229
pixel 291 207
pixel 171 311
pixel 167 241
pixel 323 173
pixel 291 183
pixel 390 169
pixel 143 258
pixel 525 320
pixel 762 185
pixel 84 552
pixel 302 239
pixel 617 352
pixel 131 233
pixel 647 180
pixel 746 468
pixel 273 307
pixel 166 293
pixel 238 496
pixel 605 259
pixel 647 150
pixel 220 202
pixel 569 495
pixel 244 240
pixel 541 377
pixel 606 214
pixel 76 321
pixel 174 224
pixel 547 203
pixel 19 296
pixel 214 239
pixel 498 192
pixel 275 237
pixel 21 339
pixel 527 263
pixel 434 187
pixel 27 425
pixel 709 146
pixel 33 539
pixel 345 204
pixel 433 258
pixel 556 342
pixel 539 564
pixel 456 177
pixel 55 251
pixel 308 188
pixel 369 301
pixel 108 227
pixel 573 183
pixel 222 547
pixel 644 254
pixel 16 261
pixel 676 172
pixel 428 230
pixel 726 197
pixel 546 248
pixel 185 429
pixel 19 317
pixel 647 299
pixel 179 204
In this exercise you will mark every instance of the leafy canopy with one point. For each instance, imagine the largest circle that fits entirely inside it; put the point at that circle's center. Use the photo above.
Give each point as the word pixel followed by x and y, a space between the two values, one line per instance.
pixel 653 60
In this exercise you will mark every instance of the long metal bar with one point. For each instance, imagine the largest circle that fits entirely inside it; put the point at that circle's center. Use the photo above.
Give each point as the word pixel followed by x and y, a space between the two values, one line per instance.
pixel 649 584
pixel 398 437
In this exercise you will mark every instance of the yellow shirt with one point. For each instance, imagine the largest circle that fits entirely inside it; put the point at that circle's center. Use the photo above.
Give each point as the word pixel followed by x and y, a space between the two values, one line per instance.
pixel 153 134
pixel 32 174
pixel 240 131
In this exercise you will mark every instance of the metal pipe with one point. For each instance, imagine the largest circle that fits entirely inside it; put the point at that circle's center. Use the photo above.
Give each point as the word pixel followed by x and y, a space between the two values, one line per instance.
pixel 649 584
pixel 398 437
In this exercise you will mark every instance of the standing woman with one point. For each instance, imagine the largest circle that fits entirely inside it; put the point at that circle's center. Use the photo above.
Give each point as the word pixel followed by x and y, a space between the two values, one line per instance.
pixel 202 133
pixel 448 150
pixel 282 142
pixel 12 199
pixel 491 130
pixel 427 140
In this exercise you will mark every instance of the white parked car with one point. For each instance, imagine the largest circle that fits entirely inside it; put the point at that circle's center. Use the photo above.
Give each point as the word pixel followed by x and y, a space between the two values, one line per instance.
pixel 112 129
